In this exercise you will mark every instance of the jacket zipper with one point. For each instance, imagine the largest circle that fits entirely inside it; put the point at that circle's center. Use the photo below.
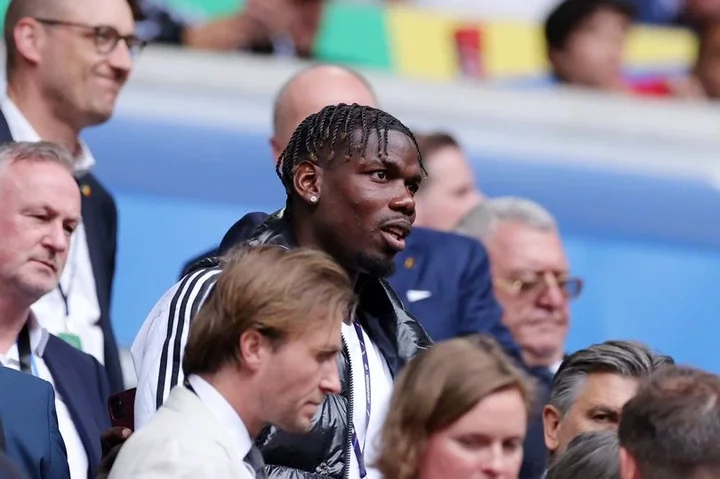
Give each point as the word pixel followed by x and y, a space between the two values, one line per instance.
pixel 349 449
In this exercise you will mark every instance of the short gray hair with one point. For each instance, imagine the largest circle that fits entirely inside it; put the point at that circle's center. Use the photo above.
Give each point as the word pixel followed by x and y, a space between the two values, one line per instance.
pixel 591 455
pixel 481 222
pixel 43 151
pixel 626 358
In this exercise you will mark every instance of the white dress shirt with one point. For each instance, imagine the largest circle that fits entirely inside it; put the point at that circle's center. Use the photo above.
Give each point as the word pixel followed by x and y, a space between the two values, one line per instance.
pixel 225 414
pixel 77 456
pixel 381 389
pixel 77 280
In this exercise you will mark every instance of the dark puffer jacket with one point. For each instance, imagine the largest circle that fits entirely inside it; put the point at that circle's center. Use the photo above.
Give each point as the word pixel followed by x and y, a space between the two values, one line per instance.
pixel 324 451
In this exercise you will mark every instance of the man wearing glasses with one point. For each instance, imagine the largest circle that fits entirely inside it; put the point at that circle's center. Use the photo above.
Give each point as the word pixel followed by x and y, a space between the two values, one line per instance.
pixel 533 284
pixel 67 61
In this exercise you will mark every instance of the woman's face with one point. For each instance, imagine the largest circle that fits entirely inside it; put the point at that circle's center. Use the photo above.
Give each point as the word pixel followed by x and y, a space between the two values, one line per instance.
pixel 484 443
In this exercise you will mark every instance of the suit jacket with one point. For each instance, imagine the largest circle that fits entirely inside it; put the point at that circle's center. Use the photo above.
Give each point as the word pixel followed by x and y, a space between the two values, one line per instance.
pixel 182 440
pixel 100 218
pixel 448 272
pixel 82 384
pixel 8 469
pixel 32 438
pixel 535 454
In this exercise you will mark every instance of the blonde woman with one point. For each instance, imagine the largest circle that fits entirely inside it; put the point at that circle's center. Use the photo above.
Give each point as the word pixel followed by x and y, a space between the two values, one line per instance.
pixel 458 411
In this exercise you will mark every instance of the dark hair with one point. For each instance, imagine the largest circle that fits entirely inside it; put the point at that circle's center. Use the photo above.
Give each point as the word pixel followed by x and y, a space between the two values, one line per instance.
pixel 671 428
pixel 567 16
pixel 591 455
pixel 703 30
pixel 323 134
pixel 625 358
pixel 431 142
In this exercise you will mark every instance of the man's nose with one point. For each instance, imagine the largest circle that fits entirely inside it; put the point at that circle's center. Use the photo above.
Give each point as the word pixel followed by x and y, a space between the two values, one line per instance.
pixel 120 59
pixel 553 295
pixel 330 384
pixel 404 203
pixel 56 238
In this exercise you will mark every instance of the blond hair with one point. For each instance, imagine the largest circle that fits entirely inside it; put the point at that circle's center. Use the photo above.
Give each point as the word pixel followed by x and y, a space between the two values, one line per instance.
pixel 277 292
pixel 436 389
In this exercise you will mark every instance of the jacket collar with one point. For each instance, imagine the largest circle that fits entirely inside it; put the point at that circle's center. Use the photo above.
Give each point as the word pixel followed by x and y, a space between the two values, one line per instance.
pixel 398 335
pixel 395 332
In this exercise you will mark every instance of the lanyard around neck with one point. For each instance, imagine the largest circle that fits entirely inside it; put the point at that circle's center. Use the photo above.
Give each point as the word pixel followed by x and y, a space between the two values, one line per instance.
pixel 359 452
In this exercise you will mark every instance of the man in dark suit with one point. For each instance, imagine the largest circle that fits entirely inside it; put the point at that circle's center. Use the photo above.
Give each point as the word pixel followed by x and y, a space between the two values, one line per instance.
pixel 534 284
pixel 39 211
pixel 29 425
pixel 66 63
pixel 442 278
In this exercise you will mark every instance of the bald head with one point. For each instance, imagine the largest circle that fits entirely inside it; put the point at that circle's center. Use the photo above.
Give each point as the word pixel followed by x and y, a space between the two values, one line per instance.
pixel 311 89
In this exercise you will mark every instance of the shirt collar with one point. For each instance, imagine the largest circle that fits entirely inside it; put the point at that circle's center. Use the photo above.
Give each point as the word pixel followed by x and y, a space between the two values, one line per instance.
pixel 223 412
pixel 22 130
pixel 38 341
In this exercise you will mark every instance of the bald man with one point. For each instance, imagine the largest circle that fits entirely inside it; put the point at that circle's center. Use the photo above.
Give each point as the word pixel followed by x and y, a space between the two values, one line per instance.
pixel 310 90
pixel 442 278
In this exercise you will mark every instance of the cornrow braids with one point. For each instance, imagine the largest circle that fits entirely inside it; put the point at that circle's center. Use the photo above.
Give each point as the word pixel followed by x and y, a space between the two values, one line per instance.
pixel 335 127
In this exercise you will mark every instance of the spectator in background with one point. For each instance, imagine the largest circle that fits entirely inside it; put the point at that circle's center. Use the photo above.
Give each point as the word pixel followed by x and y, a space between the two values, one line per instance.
pixel 671 428
pixel 706 73
pixel 67 61
pixel 531 275
pixel 458 411
pixel 449 192
pixel 39 212
pixel 263 350
pixel 532 282
pixel 585 42
pixel 592 386
pixel 590 455
pixel 281 27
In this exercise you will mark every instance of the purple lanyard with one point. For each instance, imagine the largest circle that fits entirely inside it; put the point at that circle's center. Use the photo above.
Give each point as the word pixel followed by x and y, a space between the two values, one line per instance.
pixel 366 368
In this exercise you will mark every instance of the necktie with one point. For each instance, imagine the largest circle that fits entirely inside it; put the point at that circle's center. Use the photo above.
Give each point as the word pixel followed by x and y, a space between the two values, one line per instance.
pixel 255 460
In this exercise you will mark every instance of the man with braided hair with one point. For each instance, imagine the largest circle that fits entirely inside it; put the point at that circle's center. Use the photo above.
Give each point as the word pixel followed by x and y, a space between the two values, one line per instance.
pixel 350 173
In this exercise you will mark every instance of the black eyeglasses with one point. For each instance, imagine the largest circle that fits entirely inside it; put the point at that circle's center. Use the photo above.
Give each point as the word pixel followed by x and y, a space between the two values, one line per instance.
pixel 106 38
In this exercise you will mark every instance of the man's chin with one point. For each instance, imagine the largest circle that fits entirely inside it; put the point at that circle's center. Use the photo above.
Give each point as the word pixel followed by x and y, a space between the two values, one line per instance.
pixel 302 425
pixel 376 266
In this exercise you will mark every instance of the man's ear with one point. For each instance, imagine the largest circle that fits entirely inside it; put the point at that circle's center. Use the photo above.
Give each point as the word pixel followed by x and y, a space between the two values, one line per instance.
pixel 253 349
pixel 29 38
pixel 551 426
pixel 628 466
pixel 307 182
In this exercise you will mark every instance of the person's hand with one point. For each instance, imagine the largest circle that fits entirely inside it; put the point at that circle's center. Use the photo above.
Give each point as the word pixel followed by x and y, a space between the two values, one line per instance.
pixel 686 87
pixel 111 441
pixel 271 17
pixel 256 24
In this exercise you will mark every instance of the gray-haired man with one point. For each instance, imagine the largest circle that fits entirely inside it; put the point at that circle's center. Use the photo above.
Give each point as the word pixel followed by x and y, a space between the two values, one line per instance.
pixel 531 275
pixel 592 386
pixel 532 283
